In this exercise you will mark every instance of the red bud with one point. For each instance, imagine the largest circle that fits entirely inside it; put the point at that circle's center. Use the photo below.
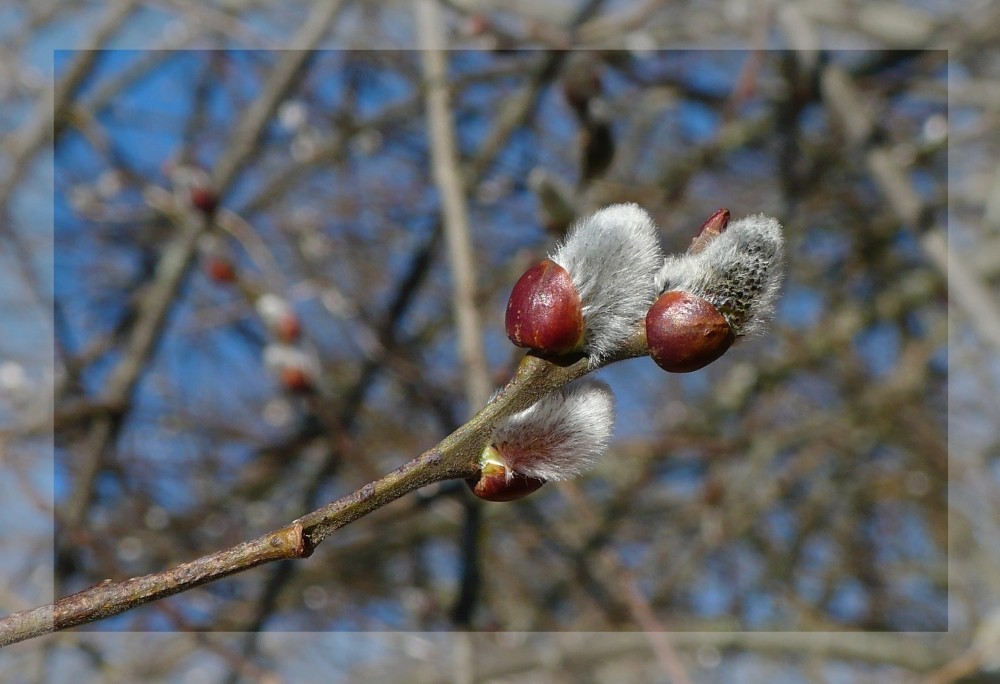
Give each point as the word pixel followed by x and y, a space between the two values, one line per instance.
pixel 713 226
pixel 295 379
pixel 204 198
pixel 220 270
pixel 288 328
pixel 493 484
pixel 686 332
pixel 544 311
pixel 476 25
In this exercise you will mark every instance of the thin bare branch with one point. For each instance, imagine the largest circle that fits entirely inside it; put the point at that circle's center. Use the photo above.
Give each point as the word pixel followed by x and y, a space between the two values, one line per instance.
pixel 455 457
pixel 444 156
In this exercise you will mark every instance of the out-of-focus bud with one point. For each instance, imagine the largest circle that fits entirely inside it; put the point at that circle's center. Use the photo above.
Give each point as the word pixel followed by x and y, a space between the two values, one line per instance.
pixel 192 185
pixel 293 368
pixel 289 329
pixel 217 264
pixel 15 385
pixel 597 143
pixel 475 25
pixel 204 198
pixel 279 317
pixel 220 269
pixel 555 201
pixel 581 83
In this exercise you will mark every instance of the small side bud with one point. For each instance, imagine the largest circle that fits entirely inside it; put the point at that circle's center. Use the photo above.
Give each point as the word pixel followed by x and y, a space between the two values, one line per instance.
pixel 686 332
pixel 712 228
pixel 497 483
pixel 279 317
pixel 558 438
pixel 204 198
pixel 293 368
pixel 544 311
pixel 220 269
pixel 215 260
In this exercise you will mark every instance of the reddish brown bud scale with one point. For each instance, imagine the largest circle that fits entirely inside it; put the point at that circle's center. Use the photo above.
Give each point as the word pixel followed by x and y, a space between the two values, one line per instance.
pixel 289 329
pixel 713 226
pixel 713 491
pixel 204 198
pixel 295 379
pixel 476 25
pixel 493 484
pixel 220 270
pixel 544 311
pixel 686 332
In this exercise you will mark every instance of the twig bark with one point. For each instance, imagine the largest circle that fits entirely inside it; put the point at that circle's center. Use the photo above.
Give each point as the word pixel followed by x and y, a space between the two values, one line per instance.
pixel 455 457
pixel 444 157
pixel 50 113
pixel 476 379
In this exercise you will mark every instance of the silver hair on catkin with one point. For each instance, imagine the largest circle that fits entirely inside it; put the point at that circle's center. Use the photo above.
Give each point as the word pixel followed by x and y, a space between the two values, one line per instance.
pixel 611 257
pixel 739 272
pixel 561 436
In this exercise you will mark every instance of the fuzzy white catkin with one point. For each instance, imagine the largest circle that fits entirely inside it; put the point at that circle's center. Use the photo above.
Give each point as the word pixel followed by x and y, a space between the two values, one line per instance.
pixel 739 272
pixel 279 357
pixel 612 257
pixel 271 308
pixel 561 436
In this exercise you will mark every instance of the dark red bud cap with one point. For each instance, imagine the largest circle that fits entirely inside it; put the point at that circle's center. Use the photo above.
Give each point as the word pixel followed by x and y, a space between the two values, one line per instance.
pixel 220 270
pixel 686 332
pixel 288 328
pixel 544 311
pixel 713 226
pixel 295 379
pixel 204 198
pixel 493 484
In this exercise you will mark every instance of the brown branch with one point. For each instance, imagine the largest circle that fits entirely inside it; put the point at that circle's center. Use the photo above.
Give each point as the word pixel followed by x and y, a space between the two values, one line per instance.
pixel 111 598
pixel 50 114
pixel 455 457
pixel 448 179
pixel 967 290
pixel 455 221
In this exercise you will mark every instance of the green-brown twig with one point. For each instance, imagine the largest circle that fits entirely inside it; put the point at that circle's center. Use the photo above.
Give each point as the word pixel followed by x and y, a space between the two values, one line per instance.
pixel 455 457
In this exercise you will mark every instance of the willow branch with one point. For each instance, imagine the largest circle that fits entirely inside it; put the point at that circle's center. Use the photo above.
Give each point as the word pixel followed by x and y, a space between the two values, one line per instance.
pixel 455 457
